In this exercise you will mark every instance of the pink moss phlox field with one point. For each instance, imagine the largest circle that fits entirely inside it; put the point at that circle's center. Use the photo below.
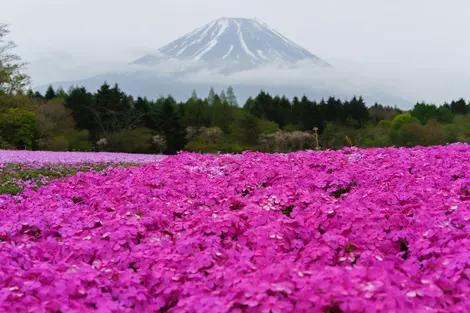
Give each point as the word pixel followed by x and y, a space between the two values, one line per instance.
pixel 378 230
pixel 25 156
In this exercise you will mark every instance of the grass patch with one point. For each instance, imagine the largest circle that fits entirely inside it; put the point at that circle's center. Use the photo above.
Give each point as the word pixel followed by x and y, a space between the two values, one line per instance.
pixel 15 177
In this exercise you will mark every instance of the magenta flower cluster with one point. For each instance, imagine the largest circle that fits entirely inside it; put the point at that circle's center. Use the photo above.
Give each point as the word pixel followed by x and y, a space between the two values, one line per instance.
pixel 356 231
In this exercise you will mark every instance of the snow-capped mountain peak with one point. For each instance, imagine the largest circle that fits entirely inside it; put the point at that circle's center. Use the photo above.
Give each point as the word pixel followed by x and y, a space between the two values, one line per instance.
pixel 242 42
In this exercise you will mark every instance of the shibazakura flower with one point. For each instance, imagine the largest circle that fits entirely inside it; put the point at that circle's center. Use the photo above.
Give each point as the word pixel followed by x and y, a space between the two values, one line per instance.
pixel 352 231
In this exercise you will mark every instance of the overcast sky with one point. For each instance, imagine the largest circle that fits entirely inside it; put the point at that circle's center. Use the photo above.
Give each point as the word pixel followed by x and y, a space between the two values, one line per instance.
pixel 418 48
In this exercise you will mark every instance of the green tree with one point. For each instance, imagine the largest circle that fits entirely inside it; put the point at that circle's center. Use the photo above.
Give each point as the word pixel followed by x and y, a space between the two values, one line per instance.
pixel 379 113
pixel 12 78
pixel 356 112
pixel 332 110
pixel 297 113
pixel 81 102
pixel 53 119
pixel 408 135
pixel 424 112
pixel 18 126
pixel 223 97
pixel 61 94
pixel 285 112
pixel 248 130
pixel 172 127
pixel 444 115
pixel 194 95
pixel 433 134
pixel 400 120
pixel 137 140
pixel 113 110
pixel 459 107
pixel 197 113
pixel 231 98
pixel 221 114
pixel 50 93
pixel 211 96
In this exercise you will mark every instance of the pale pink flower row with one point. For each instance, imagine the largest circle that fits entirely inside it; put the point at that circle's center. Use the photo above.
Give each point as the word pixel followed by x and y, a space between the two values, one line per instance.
pixel 26 156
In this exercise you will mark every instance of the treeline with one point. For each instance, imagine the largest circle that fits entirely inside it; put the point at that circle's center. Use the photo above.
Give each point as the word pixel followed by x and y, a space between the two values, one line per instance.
pixel 111 120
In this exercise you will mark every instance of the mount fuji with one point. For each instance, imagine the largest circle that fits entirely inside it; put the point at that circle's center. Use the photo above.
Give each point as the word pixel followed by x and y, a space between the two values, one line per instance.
pixel 234 44
pixel 245 53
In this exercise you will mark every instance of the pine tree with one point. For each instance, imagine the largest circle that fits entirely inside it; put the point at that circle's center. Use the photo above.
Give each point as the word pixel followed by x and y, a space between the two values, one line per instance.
pixel 356 112
pixel 296 115
pixel 50 93
pixel 142 108
pixel 459 107
pixel 194 95
pixel 61 93
pixel 332 110
pixel 285 114
pixel 80 102
pixel 222 114
pixel 231 98
pixel 172 127
pixel 223 97
pixel 248 130
pixel 210 97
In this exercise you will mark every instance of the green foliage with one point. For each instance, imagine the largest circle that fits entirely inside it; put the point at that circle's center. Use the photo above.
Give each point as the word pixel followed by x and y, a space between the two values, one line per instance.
pixel 17 126
pixel 221 114
pixel 247 130
pixel 78 140
pixel 383 113
pixel 291 128
pixel 50 93
pixel 400 120
pixel 408 135
pixel 231 98
pixel 58 143
pixel 54 123
pixel 385 124
pixel 12 79
pixel 80 102
pixel 267 127
pixel 5 145
pixel 459 107
pixel 334 136
pixel 171 125
pixel 426 112
pixel 137 140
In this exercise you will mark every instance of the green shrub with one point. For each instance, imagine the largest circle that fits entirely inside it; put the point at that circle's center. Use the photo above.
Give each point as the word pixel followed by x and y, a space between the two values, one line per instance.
pixel 58 143
pixel 78 141
pixel 267 127
pixel 137 140
pixel 400 120
pixel 17 127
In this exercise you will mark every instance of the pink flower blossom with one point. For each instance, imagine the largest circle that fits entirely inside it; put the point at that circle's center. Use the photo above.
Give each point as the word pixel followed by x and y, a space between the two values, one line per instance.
pixel 352 231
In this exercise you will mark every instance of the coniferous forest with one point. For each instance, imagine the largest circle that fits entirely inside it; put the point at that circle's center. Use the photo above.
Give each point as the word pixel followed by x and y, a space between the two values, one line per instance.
pixel 111 120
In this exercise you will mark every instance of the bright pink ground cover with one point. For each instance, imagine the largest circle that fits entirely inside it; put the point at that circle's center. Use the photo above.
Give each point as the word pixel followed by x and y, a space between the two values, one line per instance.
pixel 379 230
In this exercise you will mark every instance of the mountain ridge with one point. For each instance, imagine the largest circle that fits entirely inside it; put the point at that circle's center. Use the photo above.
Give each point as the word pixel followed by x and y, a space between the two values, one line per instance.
pixel 228 49
pixel 235 43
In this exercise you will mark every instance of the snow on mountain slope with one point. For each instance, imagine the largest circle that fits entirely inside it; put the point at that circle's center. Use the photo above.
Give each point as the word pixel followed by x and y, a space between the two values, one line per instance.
pixel 243 43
